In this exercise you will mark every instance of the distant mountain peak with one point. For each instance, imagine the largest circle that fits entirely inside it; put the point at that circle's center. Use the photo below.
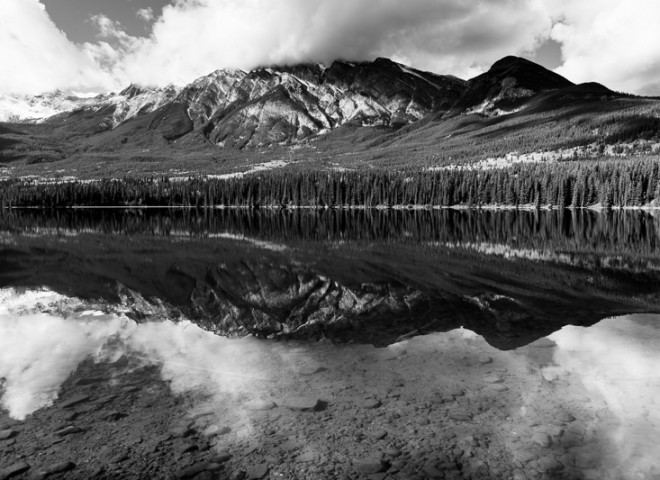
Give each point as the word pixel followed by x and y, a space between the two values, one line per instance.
pixel 507 85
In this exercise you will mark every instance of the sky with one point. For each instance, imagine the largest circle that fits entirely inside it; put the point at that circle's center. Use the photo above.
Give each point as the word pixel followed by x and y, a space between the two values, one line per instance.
pixel 104 45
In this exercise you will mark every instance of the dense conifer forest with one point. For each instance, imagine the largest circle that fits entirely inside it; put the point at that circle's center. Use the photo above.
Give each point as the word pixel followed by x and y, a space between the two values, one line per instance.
pixel 575 183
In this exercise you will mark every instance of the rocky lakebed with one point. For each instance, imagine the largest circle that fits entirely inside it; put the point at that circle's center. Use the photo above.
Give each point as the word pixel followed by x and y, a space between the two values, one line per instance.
pixel 170 400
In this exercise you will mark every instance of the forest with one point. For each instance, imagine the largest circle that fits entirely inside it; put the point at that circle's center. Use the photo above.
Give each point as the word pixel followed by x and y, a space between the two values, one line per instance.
pixel 606 183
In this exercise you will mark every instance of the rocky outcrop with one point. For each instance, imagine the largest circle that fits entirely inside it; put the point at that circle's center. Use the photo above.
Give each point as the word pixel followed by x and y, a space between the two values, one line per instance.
pixel 288 104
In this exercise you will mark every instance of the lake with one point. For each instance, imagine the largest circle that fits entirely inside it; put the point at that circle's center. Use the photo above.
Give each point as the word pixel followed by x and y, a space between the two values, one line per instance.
pixel 237 343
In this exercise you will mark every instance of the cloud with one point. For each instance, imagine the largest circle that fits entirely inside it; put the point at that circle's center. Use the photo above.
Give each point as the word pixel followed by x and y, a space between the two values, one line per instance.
pixel 39 351
pixel 610 41
pixel 616 362
pixel 146 14
pixel 614 42
pixel 36 56
pixel 43 340
pixel 193 38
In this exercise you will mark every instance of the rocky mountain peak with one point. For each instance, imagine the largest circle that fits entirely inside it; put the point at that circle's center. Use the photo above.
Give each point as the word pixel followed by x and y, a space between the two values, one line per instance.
pixel 507 85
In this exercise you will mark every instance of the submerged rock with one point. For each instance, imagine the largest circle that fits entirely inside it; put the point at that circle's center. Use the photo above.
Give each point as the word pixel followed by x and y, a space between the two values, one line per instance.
pixel 259 405
pixel 370 465
pixel 13 470
pixel 301 403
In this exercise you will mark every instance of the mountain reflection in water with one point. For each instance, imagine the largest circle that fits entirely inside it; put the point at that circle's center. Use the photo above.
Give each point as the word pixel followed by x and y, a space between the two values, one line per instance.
pixel 371 276
pixel 581 403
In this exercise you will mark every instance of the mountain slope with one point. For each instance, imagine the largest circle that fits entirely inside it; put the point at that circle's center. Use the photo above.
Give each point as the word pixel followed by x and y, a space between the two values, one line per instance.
pixel 345 114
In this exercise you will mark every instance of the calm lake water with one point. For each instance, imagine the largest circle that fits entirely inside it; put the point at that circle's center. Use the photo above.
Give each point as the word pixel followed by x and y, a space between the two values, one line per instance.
pixel 401 344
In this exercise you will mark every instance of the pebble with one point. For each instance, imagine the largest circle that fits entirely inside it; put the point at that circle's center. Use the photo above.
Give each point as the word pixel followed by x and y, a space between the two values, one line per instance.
pixel 485 359
pixel 70 417
pixel 493 379
pixel 392 452
pixel 216 430
pixel 113 416
pixel 553 430
pixel 13 470
pixel 70 430
pixel 541 439
pixel 498 387
pixel 180 431
pixel 432 472
pixel 460 417
pixel 379 434
pixel 257 471
pixel 370 465
pixel 187 447
pixel 7 434
pixel 220 457
pixel 519 475
pixel 73 401
pixel 203 413
pixel 192 471
pixel 310 369
pixel 259 405
pixel 549 464
pixel 105 400
pixel 564 418
pixel 56 468
pixel 371 403
pixel 89 380
pixel 121 457
pixel 301 403
pixel 306 457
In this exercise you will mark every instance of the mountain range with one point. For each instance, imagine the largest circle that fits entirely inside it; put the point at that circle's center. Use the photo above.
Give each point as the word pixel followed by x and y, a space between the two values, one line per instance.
pixel 356 111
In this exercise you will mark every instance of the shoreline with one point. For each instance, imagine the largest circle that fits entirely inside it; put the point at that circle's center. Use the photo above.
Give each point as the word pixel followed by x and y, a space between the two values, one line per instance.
pixel 547 208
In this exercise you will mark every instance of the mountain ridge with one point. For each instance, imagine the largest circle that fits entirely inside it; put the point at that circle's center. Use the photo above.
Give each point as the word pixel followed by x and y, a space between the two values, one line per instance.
pixel 372 110
pixel 357 77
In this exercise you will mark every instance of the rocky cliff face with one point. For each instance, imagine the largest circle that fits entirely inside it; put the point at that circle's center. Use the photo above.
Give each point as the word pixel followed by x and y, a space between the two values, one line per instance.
pixel 288 104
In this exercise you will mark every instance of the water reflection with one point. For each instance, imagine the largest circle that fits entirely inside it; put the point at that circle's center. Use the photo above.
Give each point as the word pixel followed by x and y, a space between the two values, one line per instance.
pixel 366 275
pixel 584 231
pixel 581 403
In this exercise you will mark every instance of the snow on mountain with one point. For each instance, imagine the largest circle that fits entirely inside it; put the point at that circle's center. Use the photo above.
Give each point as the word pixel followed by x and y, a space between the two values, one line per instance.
pixel 127 104
pixel 22 108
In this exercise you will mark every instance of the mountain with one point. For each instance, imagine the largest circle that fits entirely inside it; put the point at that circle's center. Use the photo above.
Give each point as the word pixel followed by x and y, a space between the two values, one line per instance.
pixel 354 111
pixel 264 106
pixel 508 84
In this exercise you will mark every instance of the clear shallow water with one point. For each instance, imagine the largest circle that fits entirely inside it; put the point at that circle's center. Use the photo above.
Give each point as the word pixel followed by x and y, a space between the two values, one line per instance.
pixel 507 354
pixel 581 403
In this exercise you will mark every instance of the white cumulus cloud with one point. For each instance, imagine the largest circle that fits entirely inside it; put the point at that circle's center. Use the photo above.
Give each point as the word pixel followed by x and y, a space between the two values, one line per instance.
pixel 614 42
pixel 36 56
pixel 146 14
pixel 610 41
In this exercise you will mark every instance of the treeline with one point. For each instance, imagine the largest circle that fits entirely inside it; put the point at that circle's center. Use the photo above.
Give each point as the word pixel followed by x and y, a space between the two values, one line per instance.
pixel 634 233
pixel 611 183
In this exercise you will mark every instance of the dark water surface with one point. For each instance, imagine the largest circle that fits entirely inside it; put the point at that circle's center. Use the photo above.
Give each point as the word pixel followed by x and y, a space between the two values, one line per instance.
pixel 368 275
